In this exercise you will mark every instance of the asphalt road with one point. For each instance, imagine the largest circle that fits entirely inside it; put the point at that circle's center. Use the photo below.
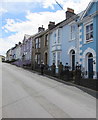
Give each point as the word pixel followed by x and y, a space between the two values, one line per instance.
pixel 29 95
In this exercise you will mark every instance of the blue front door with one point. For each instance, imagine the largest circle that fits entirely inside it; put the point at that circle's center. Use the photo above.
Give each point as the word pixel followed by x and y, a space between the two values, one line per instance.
pixel 90 67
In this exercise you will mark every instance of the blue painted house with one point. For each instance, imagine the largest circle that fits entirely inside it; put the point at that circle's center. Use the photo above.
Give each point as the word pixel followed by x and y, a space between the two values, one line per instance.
pixel 88 40
pixel 75 40
pixel 64 41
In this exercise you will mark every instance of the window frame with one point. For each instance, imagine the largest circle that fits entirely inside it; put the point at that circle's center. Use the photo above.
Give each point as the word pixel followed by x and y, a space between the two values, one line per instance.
pixel 72 32
pixel 54 57
pixel 46 39
pixel 37 43
pixel 37 58
pixel 90 31
pixel 58 57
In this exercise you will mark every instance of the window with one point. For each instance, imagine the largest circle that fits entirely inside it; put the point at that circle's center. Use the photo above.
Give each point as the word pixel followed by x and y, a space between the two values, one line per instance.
pixel 54 38
pixel 58 39
pixel 54 57
pixel 37 58
pixel 46 40
pixel 28 45
pixel 37 43
pixel 58 58
pixel 73 32
pixel 89 32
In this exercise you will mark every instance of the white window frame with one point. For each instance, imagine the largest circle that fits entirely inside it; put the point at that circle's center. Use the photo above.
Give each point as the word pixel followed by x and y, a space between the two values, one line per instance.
pixel 58 57
pixel 72 32
pixel 37 43
pixel 57 37
pixel 54 57
pixel 85 25
pixel 54 38
pixel 46 39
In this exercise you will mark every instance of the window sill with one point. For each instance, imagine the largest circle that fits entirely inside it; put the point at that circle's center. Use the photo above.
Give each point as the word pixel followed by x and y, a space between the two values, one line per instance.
pixel 56 44
pixel 89 41
pixel 72 40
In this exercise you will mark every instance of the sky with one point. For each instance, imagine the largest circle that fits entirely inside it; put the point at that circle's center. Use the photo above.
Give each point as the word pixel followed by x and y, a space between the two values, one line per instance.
pixel 20 17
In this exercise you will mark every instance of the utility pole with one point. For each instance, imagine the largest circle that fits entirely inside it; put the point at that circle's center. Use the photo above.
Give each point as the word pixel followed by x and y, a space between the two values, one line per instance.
pixel 59 5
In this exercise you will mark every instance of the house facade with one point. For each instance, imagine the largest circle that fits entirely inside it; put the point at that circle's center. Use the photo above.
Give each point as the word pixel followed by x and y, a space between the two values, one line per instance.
pixel 2 58
pixel 14 53
pixel 40 47
pixel 26 50
pixel 88 40
pixel 75 40
pixel 9 55
pixel 64 41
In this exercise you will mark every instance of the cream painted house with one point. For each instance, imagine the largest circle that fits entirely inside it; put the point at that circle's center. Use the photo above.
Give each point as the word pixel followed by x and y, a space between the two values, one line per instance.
pixel 2 58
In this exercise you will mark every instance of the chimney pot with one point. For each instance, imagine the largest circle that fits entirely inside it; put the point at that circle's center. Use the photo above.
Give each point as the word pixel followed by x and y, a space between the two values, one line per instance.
pixel 69 13
pixel 70 10
pixel 40 29
pixel 51 25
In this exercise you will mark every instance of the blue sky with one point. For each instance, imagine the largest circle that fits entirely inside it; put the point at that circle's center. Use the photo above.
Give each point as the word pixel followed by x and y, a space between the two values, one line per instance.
pixel 21 17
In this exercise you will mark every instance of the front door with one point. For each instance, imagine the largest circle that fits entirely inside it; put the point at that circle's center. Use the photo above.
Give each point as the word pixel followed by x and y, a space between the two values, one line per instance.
pixel 46 58
pixel 90 67
pixel 73 62
pixel 73 59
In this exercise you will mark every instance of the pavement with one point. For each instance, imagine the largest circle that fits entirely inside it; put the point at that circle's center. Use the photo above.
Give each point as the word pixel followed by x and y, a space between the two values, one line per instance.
pixel 29 95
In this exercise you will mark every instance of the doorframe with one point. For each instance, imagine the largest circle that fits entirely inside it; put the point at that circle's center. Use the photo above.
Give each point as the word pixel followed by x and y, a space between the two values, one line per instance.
pixel 85 61
pixel 88 63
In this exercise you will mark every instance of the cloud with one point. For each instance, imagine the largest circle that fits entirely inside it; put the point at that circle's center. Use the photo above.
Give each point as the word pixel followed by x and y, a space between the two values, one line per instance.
pixel 44 3
pixel 4 45
pixel 78 5
pixel 8 42
pixel 2 10
pixel 29 26
pixel 34 20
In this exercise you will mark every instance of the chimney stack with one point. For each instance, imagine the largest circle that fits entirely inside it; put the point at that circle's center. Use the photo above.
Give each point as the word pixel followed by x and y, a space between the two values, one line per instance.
pixel 19 43
pixel 51 25
pixel 69 13
pixel 40 29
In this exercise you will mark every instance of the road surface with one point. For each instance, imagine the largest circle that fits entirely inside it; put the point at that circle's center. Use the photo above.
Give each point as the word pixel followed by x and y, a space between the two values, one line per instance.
pixel 29 95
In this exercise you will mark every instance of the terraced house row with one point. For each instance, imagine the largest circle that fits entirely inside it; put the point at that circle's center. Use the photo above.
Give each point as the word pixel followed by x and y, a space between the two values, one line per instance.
pixel 73 40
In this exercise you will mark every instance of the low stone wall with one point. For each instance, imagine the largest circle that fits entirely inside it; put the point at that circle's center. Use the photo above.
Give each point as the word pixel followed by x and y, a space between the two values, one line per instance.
pixel 89 83
pixel 69 76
